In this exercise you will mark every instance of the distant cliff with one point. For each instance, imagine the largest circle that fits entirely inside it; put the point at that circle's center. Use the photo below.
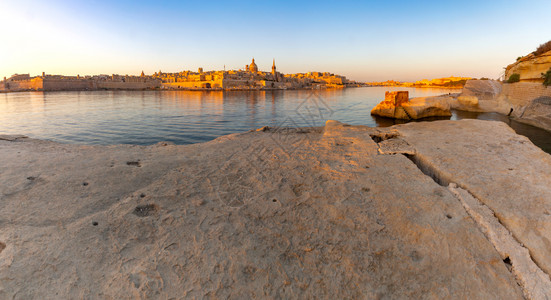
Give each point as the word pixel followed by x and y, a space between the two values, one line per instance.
pixel 447 82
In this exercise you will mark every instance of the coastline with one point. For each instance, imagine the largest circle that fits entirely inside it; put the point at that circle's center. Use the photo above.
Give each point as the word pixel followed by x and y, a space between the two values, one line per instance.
pixel 182 89
pixel 275 212
pixel 423 86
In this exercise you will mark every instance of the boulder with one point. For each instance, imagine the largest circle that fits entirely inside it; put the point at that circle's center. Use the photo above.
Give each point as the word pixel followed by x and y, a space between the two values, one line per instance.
pixel 482 89
pixel 424 107
pixel 537 113
pixel 396 106
pixel 468 100
pixel 387 108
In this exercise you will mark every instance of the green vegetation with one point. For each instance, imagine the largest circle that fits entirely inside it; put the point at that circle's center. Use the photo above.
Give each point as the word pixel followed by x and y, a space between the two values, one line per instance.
pixel 514 78
pixel 546 77
pixel 458 83
pixel 543 48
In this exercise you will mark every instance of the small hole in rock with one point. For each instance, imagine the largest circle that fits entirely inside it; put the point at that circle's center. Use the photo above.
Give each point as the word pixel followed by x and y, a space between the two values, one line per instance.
pixel 145 210
pixel 134 163
pixel 507 261
pixel 95 223
pixel 274 200
pixel 142 195
pixel 31 178
pixel 85 183
pixel 364 189
pixel 448 216
pixel 379 137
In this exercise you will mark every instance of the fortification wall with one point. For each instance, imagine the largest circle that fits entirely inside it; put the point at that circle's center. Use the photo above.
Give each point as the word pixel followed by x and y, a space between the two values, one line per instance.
pixel 67 85
pixel 24 85
pixel 213 84
pixel 235 83
pixel 128 85
pixel 63 84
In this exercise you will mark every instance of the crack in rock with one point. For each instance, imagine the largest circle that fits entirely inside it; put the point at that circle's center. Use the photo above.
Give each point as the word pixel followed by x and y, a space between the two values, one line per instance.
pixel 534 282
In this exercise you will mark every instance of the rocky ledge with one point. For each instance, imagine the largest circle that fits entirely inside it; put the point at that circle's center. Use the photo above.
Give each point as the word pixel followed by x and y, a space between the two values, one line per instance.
pixel 397 105
pixel 441 209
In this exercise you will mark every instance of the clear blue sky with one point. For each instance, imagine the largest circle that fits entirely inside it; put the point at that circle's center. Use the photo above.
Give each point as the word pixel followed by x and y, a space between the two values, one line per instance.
pixel 363 40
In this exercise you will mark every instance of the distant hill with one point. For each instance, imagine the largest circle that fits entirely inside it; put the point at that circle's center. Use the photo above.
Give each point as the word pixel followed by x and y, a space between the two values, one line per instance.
pixel 446 82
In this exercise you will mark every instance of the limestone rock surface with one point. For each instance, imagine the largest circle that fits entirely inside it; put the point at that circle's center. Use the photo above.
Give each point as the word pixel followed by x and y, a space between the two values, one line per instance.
pixel 514 183
pixel 415 108
pixel 482 89
pixel 530 67
pixel 468 100
pixel 424 107
pixel 270 214
pixel 537 113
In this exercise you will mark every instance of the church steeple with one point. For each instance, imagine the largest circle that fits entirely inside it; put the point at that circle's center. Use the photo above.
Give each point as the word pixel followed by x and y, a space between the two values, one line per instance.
pixel 274 71
pixel 273 67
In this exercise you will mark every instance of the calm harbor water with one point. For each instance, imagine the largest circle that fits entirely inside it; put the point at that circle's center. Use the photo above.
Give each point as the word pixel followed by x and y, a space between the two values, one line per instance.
pixel 185 117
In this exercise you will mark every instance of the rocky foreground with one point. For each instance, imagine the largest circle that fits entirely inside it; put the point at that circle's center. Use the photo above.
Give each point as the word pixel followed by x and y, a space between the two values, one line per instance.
pixel 446 209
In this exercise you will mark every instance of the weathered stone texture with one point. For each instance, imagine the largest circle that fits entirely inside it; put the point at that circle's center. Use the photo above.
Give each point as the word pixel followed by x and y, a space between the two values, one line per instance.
pixel 530 67
pixel 265 214
pixel 397 105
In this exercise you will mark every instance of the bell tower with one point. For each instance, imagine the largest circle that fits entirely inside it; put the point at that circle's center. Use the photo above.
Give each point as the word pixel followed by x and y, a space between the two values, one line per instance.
pixel 274 71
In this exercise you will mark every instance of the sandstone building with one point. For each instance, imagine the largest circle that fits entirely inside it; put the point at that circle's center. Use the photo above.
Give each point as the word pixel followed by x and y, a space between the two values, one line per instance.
pixel 249 78
pixel 23 82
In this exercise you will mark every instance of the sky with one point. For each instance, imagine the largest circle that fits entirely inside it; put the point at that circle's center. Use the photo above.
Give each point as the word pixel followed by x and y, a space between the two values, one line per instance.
pixel 362 40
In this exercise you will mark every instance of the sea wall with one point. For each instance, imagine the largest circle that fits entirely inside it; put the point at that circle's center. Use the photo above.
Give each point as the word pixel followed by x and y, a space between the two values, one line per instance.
pixel 113 85
pixel 63 84
pixel 522 93
pixel 22 85
pixel 204 84
pixel 67 85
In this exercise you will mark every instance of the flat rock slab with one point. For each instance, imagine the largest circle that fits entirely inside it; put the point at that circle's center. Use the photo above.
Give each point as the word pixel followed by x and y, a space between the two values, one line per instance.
pixel 502 169
pixel 4 137
pixel 265 214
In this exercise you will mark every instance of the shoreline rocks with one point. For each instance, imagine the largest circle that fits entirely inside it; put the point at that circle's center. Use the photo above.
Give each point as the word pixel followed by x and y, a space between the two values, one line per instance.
pixel 526 102
pixel 397 105
pixel 350 210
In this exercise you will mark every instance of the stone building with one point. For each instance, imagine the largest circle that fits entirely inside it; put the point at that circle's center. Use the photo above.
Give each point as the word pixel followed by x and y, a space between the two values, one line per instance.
pixel 252 67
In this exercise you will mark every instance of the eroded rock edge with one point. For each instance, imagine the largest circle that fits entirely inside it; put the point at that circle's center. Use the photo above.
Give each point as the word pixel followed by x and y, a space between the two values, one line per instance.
pixel 535 283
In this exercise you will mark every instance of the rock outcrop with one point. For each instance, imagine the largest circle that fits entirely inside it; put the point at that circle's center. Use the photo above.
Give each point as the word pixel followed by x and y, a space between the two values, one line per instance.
pixel 482 89
pixel 397 105
pixel 530 67
pixel 277 214
pixel 526 102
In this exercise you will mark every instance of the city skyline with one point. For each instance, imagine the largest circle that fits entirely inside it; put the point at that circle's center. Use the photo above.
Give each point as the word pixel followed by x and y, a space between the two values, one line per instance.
pixel 362 41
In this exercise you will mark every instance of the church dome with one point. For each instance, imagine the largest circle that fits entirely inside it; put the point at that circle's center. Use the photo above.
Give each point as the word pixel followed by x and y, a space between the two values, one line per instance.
pixel 253 67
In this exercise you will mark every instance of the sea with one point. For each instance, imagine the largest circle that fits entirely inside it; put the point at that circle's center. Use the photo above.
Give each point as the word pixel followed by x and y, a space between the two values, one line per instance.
pixel 187 117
